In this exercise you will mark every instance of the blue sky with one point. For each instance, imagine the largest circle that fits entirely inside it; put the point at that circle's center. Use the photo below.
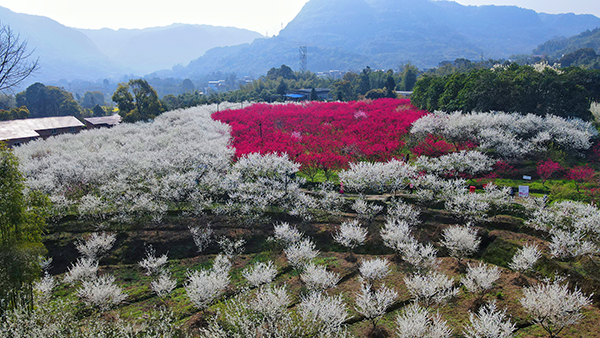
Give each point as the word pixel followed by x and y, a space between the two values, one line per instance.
pixel 263 16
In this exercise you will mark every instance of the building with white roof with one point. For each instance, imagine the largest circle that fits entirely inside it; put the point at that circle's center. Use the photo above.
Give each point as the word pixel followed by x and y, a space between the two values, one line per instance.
pixel 17 132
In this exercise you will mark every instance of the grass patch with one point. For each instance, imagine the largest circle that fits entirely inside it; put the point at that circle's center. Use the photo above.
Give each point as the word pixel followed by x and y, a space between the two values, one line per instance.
pixel 500 252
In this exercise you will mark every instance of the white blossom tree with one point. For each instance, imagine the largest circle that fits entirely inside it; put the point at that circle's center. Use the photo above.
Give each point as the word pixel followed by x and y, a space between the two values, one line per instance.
pixel 510 135
pixel 461 241
pixel 399 210
pixel 132 171
pixel 366 210
pixel 480 278
pixel 260 273
pixel 163 285
pixel 202 236
pixel 152 264
pixel 350 235
pixel 417 322
pixel 301 253
pixel 83 269
pixel 467 162
pixel 101 293
pixel 286 234
pixel 489 322
pixel 525 258
pixel 44 286
pixel 96 245
pixel 374 269
pixel 204 286
pixel 317 278
pixel 323 314
pixel 430 288
pixel 231 248
pixel 553 306
pixel 373 303
pixel 380 177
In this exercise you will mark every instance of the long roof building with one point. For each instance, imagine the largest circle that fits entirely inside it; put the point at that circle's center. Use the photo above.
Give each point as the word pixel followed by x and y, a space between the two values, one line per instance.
pixel 17 132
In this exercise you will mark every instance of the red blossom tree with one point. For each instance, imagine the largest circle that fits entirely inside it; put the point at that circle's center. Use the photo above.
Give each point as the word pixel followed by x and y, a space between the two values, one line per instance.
pixel 546 169
pixel 323 136
pixel 580 174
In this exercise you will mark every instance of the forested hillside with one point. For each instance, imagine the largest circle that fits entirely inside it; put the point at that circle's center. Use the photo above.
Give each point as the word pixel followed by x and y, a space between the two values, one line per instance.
pixel 558 47
pixel 350 34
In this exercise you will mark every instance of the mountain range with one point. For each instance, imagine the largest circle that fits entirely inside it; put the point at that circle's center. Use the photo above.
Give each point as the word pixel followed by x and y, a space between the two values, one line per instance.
pixel 351 34
pixel 339 34
pixel 69 53
pixel 558 47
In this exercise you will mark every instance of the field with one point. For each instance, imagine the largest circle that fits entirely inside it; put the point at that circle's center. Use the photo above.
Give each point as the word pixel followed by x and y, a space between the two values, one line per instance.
pixel 253 203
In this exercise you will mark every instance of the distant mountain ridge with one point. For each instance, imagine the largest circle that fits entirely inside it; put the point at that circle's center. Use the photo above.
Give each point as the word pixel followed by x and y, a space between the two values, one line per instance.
pixel 63 52
pixel 69 53
pixel 340 34
pixel 351 34
pixel 557 47
pixel 151 49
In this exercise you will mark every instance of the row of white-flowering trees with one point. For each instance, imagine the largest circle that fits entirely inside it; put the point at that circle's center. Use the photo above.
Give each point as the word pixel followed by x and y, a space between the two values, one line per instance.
pixel 509 135
pixel 132 170
pixel 182 160
pixel 264 307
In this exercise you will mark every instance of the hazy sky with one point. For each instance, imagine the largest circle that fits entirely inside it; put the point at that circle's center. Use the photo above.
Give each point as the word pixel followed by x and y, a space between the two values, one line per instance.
pixel 259 15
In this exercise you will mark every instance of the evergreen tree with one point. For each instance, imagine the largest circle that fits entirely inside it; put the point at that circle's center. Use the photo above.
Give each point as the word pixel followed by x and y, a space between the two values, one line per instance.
pixel 22 220
pixel 390 87
pixel 137 101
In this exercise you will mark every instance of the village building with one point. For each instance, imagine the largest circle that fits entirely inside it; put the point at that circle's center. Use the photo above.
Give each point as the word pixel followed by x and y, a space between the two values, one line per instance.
pixel 102 121
pixel 16 132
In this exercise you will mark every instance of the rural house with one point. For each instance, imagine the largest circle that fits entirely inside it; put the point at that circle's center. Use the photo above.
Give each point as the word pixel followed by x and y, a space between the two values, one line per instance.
pixel 17 132
pixel 102 121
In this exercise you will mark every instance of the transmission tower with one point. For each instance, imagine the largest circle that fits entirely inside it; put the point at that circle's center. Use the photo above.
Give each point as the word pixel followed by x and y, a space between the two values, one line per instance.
pixel 303 58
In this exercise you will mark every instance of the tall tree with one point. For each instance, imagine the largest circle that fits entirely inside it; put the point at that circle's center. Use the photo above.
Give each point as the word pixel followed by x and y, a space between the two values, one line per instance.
pixel 390 87
pixel 408 76
pixel 137 101
pixel 90 99
pixel 22 220
pixel 15 61
pixel 44 101
pixel 364 84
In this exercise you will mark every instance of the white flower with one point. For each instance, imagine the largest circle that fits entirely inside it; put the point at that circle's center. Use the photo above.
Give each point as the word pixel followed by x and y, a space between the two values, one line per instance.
pixel 489 322
pixel 301 253
pixel 461 241
pixel 432 287
pixel 553 306
pixel 329 312
pixel 350 234
pixel 101 292
pixel 260 273
pixel 163 285
pixel 96 245
pixel 480 278
pixel 317 278
pixel 525 258
pixel 417 322
pixel 151 263
pixel 374 269
pixel 83 269
pixel 287 234
pixel 201 236
pixel 373 303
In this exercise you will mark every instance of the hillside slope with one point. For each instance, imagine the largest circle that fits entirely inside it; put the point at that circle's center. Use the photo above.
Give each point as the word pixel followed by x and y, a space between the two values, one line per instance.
pixel 350 34
pixel 63 52
pixel 151 49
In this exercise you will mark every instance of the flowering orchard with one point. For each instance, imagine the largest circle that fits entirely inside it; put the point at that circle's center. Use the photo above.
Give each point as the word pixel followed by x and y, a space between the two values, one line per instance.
pixel 323 135
pixel 332 265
